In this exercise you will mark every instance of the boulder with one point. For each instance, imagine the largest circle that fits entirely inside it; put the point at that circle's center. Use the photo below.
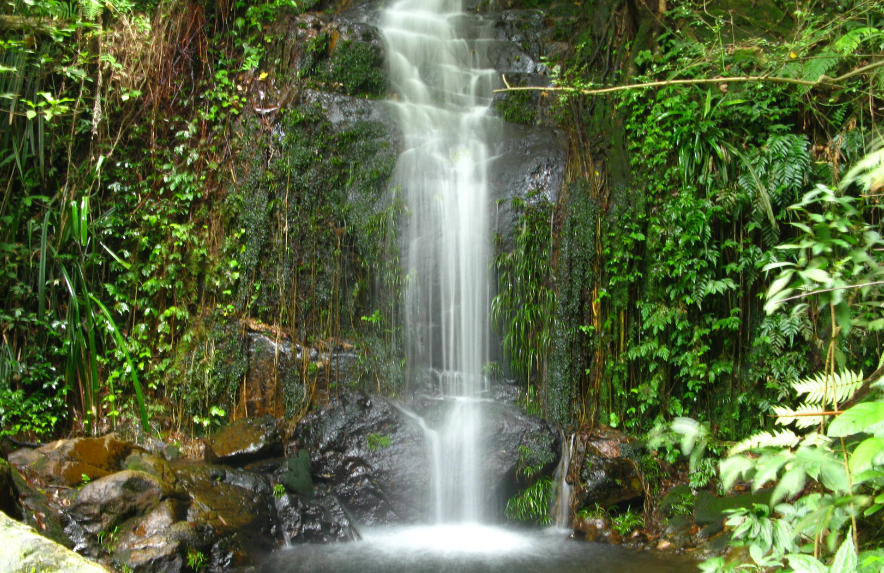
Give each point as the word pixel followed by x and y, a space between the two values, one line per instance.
pixel 9 503
pixel 25 551
pixel 244 440
pixel 371 455
pixel 315 519
pixel 225 514
pixel 224 502
pixel 106 502
pixel 606 467
pixel 159 542
pixel 65 462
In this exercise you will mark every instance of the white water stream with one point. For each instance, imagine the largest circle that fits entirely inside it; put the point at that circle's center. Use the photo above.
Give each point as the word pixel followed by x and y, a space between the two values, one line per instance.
pixel 443 98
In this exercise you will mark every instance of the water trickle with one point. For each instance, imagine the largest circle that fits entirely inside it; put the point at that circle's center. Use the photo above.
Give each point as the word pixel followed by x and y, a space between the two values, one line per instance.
pixel 561 509
pixel 444 92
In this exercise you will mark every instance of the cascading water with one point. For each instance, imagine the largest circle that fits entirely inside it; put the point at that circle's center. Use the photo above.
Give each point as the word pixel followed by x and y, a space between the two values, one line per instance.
pixel 561 508
pixel 444 95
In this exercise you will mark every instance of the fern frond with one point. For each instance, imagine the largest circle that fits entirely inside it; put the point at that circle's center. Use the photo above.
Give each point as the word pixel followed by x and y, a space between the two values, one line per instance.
pixel 816 67
pixel 868 172
pixel 781 439
pixel 92 9
pixel 839 389
pixel 799 416
pixel 849 42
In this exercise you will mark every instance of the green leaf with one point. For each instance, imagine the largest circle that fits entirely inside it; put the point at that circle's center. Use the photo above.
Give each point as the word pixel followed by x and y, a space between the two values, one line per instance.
pixel 864 455
pixel 805 564
pixel 867 417
pixel 845 559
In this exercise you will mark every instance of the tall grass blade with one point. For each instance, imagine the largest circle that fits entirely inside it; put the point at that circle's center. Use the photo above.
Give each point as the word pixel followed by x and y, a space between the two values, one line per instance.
pixel 41 285
pixel 133 376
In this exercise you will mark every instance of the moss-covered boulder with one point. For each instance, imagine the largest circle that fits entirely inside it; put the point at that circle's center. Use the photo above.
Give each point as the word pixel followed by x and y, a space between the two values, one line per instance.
pixel 25 551
pixel 66 462
pixel 244 440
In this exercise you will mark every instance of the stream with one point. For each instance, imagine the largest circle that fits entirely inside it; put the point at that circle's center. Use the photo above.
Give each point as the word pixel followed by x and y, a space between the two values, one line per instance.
pixel 467 549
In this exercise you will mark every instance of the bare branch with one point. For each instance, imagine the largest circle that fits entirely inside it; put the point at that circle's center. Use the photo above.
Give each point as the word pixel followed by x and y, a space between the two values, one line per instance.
pixel 822 80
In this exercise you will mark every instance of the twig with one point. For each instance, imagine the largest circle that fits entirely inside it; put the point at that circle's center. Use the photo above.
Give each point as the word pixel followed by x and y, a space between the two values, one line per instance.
pixel 822 80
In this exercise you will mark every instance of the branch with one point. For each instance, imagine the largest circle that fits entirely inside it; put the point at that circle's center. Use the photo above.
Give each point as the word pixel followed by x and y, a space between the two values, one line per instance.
pixel 807 294
pixel 10 23
pixel 822 80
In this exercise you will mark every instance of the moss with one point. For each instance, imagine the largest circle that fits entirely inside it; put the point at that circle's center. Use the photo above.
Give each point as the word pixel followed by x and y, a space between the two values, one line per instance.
pixel 358 67
pixel 518 107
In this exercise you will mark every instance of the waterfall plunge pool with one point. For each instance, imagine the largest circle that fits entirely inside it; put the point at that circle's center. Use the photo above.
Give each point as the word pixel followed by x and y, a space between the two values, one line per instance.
pixel 465 548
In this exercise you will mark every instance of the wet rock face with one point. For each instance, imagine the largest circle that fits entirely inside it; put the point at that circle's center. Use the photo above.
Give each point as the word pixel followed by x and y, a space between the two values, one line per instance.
pixel 370 455
pixel 275 367
pixel 373 457
pixel 244 440
pixel 65 462
pixel 608 473
pixel 317 518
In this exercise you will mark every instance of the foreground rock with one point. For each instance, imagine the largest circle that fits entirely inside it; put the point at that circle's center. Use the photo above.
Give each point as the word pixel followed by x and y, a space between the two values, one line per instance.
pixel 25 551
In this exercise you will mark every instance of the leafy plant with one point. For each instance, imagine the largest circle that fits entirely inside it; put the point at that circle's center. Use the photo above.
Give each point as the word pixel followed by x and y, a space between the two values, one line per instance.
pixel 626 522
pixel 196 559
pixel 533 503
pixel 378 441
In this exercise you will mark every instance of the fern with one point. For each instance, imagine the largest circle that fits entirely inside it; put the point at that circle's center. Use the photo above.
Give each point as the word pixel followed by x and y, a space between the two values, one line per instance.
pixel 781 439
pixel 92 9
pixel 849 42
pixel 840 388
pixel 798 416
pixel 819 66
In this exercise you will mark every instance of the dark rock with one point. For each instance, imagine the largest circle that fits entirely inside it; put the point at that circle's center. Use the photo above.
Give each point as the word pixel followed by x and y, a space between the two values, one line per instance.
pixel 318 519
pixel 106 502
pixel 40 511
pixel 377 485
pixel 244 440
pixel 158 543
pixel 65 462
pixel 529 164
pixel 609 474
pixel 9 503
pixel 225 501
pixel 374 458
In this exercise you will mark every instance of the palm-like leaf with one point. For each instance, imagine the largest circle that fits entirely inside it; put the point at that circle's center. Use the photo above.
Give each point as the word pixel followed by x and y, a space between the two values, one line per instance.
pixel 824 390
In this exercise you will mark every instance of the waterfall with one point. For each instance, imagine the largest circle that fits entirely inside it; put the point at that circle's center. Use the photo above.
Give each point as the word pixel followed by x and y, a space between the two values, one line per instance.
pixel 442 108
pixel 561 509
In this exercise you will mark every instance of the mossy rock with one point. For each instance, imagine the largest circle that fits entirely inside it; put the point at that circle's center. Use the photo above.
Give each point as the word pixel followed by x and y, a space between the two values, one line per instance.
pixel 709 509
pixel 297 478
